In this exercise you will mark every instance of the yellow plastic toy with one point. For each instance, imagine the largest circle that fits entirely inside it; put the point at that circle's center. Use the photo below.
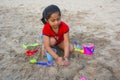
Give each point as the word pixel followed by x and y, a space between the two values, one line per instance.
pixel 80 50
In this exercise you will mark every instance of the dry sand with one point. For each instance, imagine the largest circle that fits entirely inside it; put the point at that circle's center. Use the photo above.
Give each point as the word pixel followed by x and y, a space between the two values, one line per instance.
pixel 96 21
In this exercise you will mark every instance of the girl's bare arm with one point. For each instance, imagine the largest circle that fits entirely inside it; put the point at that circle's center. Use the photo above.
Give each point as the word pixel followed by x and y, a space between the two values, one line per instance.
pixel 66 45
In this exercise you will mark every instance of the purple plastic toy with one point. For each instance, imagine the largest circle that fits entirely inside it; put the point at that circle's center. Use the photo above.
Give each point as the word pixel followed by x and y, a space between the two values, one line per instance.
pixel 88 48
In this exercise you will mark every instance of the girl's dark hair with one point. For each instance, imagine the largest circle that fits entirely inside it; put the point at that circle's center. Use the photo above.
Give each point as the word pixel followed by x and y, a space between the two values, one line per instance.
pixel 48 11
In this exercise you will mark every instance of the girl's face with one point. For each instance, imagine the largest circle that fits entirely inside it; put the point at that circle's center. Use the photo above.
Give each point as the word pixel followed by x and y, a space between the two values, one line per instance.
pixel 54 20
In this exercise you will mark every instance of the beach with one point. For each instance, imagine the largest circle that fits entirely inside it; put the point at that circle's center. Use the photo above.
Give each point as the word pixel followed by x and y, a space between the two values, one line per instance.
pixel 90 21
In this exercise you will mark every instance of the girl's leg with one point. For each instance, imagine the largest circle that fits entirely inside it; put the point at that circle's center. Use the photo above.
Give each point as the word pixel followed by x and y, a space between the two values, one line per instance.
pixel 52 41
pixel 52 44
pixel 61 45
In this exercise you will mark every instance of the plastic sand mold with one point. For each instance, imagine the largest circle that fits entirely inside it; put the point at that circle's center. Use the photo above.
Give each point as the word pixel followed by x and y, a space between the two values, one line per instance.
pixel 31 52
pixel 76 45
pixel 49 63
pixel 88 48
pixel 49 57
pixel 29 45
pixel 83 78
pixel 78 48
pixel 33 61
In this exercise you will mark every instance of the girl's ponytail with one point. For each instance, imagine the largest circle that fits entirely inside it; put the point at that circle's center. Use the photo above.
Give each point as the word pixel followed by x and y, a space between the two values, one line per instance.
pixel 43 20
pixel 44 17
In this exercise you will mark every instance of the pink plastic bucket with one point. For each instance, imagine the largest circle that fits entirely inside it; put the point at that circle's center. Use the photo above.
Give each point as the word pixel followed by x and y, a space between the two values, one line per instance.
pixel 88 48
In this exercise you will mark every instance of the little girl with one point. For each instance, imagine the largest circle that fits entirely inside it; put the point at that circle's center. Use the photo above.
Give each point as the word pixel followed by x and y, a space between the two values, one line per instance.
pixel 56 33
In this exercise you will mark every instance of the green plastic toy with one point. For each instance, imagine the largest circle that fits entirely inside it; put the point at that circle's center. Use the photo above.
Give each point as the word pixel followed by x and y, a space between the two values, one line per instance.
pixel 33 61
pixel 30 45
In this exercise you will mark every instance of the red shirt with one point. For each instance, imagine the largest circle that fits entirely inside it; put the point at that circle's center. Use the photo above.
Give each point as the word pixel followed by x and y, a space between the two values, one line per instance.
pixel 48 31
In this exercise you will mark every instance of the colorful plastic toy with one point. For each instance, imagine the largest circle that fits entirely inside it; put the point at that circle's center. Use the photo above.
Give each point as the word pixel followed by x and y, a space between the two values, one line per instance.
pixel 78 48
pixel 29 45
pixel 33 61
pixel 83 78
pixel 76 45
pixel 31 52
pixel 49 57
pixel 88 48
pixel 49 63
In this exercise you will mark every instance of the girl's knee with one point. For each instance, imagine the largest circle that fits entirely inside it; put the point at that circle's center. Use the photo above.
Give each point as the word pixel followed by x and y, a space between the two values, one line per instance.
pixel 71 48
pixel 52 41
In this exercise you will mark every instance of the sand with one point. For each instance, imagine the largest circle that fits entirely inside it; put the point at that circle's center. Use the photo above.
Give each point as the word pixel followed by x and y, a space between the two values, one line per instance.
pixel 96 21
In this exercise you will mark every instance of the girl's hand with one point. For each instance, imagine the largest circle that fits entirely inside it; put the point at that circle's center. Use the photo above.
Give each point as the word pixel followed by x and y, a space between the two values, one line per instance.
pixel 60 61
pixel 66 61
